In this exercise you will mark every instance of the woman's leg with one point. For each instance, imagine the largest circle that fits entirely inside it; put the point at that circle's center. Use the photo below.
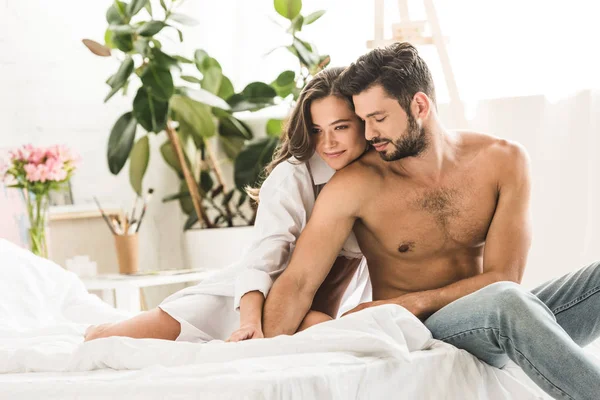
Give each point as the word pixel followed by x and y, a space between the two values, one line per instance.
pixel 153 324
pixel 313 318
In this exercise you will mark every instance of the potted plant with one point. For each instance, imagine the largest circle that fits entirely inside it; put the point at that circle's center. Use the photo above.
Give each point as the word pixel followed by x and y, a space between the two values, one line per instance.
pixel 256 154
pixel 195 109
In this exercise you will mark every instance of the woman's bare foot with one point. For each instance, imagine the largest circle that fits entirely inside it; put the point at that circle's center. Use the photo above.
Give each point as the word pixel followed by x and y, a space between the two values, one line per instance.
pixel 95 331
pixel 153 324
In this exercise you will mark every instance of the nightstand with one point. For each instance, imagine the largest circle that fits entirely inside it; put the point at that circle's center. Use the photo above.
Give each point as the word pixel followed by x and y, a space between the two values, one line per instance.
pixel 126 288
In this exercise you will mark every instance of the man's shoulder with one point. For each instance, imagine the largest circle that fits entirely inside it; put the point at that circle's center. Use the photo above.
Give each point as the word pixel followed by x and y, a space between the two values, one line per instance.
pixel 493 148
pixel 506 159
pixel 363 172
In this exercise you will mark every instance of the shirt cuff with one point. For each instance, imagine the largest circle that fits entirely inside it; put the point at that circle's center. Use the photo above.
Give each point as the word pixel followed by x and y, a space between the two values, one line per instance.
pixel 249 281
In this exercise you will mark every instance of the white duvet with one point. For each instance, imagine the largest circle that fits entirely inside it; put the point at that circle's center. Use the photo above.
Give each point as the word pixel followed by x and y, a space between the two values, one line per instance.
pixel 378 353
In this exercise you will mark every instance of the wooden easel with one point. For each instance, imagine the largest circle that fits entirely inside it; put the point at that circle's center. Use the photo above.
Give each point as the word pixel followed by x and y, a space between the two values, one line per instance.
pixel 414 33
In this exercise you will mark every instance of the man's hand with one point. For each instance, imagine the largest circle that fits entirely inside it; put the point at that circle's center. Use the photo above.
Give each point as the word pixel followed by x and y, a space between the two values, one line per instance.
pixel 246 332
pixel 415 303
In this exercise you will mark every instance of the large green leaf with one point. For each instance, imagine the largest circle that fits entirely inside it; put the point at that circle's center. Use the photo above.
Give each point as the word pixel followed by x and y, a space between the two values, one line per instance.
pixel 185 201
pixel 191 79
pixel 122 29
pixel 226 89
pixel 195 114
pixel 120 142
pixel 203 61
pixel 163 59
pixel 285 83
pixel 138 163
pixel 135 6
pixel 122 74
pixel 206 181
pixel 288 8
pixel 183 60
pixel 114 16
pixel 296 24
pixel 286 78
pixel 205 97
pixel 230 126
pixel 199 58
pixel 258 90
pixel 150 112
pixel 183 19
pixel 142 46
pixel 274 127
pixel 191 221
pixel 212 79
pixel 175 196
pixel 150 28
pixel 312 17
pixel 231 146
pixel 307 57
pixel 255 96
pixel 170 157
pixel 158 81
pixel 251 162
pixel 123 42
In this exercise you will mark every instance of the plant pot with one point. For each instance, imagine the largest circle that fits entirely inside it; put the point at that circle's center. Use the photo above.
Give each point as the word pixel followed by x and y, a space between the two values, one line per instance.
pixel 215 248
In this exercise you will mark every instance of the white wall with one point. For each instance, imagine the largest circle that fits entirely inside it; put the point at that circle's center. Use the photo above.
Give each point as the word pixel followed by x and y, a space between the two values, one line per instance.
pixel 52 87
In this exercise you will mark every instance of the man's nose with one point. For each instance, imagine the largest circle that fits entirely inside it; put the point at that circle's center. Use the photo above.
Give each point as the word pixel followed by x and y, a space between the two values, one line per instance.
pixel 370 132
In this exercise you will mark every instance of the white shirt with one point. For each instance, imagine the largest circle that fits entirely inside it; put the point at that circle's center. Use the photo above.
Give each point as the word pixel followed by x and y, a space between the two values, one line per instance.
pixel 287 198
pixel 286 202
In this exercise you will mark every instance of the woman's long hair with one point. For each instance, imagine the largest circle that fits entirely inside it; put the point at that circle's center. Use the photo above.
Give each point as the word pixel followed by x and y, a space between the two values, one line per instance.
pixel 296 140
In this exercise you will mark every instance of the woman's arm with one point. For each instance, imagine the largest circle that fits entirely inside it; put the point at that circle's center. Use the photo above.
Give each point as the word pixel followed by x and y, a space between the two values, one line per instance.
pixel 251 306
pixel 286 199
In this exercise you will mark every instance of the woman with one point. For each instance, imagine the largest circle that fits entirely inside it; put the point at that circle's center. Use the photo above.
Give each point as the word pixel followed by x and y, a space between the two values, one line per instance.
pixel 323 135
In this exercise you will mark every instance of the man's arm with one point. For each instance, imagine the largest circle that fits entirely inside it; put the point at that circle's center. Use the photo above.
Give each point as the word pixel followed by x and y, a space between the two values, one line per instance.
pixel 316 250
pixel 507 242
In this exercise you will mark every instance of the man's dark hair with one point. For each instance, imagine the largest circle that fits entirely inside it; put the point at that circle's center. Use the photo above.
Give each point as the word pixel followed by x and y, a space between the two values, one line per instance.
pixel 398 68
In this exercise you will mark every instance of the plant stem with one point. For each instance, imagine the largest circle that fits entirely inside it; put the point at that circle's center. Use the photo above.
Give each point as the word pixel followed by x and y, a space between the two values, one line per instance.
pixel 189 179
pixel 219 175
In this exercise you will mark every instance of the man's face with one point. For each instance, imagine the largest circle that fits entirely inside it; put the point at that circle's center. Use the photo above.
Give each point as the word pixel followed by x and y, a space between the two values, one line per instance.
pixel 393 133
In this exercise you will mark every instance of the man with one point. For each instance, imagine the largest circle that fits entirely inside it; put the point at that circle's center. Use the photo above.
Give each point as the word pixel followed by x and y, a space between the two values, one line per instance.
pixel 443 219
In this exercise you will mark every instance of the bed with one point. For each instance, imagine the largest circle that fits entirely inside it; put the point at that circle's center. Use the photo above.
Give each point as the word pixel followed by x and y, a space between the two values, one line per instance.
pixel 378 353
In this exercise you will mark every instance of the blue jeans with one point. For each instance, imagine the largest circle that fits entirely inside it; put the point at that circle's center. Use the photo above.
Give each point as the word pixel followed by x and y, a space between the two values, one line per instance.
pixel 540 330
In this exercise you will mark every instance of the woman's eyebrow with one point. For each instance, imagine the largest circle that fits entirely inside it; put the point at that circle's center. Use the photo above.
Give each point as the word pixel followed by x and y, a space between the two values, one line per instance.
pixel 337 121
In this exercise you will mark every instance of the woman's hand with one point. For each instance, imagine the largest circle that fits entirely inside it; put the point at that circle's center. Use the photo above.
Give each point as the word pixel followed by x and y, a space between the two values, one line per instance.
pixel 246 332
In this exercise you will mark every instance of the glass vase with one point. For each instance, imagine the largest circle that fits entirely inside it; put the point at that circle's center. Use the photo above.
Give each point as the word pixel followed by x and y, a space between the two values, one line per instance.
pixel 38 206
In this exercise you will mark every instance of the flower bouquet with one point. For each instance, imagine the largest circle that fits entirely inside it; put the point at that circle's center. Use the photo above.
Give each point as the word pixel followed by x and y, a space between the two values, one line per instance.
pixel 37 171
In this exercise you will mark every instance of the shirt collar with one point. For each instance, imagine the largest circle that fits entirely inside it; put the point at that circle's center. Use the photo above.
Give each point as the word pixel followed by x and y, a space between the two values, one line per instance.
pixel 321 172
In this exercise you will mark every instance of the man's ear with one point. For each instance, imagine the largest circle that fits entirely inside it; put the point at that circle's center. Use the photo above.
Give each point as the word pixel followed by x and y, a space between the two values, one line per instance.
pixel 421 106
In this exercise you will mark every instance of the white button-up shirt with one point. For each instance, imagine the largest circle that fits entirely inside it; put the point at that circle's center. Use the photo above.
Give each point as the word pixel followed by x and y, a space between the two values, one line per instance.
pixel 287 198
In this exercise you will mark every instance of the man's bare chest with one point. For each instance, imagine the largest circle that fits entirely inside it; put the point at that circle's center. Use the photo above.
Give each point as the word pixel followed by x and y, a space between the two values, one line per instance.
pixel 414 222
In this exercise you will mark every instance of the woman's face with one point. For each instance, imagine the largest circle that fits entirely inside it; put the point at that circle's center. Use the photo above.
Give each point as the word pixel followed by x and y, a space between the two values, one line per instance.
pixel 337 131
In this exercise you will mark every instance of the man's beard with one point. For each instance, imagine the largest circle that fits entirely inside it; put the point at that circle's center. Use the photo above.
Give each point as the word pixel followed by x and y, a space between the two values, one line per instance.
pixel 411 144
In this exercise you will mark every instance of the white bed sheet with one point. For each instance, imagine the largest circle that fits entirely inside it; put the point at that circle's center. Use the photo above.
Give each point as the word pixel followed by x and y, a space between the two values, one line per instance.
pixel 378 353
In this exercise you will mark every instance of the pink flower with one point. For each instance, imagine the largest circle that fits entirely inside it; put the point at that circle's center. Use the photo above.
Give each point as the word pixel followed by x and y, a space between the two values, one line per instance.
pixel 43 164
pixel 37 155
pixel 34 173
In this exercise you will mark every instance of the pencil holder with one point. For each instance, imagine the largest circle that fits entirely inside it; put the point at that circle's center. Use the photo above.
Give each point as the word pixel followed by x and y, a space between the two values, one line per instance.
pixel 127 253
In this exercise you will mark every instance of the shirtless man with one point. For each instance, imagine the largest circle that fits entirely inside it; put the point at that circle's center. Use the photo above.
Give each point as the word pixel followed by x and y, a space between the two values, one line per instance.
pixel 443 220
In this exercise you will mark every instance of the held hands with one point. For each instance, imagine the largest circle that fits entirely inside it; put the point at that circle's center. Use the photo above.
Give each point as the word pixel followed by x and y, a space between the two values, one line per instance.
pixel 246 332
